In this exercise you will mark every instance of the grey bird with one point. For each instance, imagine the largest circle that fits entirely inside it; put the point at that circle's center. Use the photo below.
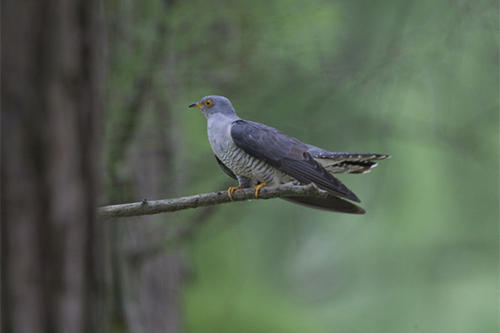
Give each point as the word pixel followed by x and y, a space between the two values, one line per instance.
pixel 258 155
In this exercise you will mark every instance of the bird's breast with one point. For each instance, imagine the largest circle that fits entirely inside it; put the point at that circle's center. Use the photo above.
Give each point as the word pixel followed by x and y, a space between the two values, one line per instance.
pixel 219 135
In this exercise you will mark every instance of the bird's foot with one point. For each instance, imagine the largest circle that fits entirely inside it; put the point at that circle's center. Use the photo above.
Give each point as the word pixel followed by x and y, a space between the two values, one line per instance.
pixel 231 189
pixel 257 189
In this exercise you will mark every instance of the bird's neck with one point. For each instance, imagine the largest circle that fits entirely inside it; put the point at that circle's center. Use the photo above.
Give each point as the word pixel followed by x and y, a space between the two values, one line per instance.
pixel 220 123
pixel 221 117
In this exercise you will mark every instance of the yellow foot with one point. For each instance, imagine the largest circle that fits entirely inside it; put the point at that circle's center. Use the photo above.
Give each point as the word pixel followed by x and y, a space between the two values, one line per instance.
pixel 257 188
pixel 231 189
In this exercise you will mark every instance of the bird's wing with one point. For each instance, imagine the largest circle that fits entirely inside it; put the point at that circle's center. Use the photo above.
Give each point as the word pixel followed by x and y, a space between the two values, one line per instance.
pixel 335 162
pixel 331 203
pixel 286 154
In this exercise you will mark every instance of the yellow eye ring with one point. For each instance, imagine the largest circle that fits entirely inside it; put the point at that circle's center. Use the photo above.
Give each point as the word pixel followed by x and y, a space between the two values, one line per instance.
pixel 208 103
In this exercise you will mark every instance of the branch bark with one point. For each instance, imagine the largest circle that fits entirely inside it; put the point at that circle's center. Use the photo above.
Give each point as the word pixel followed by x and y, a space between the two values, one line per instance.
pixel 147 207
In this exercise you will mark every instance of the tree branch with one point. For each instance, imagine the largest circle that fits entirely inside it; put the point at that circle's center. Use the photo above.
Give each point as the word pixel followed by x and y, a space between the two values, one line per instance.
pixel 146 207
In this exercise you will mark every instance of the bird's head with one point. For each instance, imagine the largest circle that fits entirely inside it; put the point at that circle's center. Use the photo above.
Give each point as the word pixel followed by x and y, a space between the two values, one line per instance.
pixel 211 105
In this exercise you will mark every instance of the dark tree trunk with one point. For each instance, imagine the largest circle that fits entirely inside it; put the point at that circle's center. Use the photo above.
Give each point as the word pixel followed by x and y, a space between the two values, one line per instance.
pixel 151 282
pixel 51 274
pixel 143 149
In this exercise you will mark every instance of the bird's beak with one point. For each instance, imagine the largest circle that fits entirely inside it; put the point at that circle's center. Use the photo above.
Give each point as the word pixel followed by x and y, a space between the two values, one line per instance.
pixel 198 105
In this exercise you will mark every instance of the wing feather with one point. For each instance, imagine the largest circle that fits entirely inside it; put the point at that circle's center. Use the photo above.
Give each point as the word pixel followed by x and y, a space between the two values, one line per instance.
pixel 286 154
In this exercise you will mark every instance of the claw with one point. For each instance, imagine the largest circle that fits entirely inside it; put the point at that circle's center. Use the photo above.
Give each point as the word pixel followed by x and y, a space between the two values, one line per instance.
pixel 231 189
pixel 257 189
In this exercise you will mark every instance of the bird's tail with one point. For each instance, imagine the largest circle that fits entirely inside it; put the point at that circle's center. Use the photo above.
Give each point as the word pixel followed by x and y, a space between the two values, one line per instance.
pixel 346 162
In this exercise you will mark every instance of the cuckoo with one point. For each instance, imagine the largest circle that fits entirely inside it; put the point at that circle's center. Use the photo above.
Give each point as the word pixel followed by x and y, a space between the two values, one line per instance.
pixel 258 155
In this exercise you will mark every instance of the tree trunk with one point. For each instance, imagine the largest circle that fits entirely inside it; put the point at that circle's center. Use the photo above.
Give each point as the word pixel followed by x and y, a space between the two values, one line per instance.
pixel 151 282
pixel 51 240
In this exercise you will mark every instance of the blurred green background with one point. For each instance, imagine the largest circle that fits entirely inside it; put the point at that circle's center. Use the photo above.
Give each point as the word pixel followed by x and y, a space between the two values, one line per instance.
pixel 415 79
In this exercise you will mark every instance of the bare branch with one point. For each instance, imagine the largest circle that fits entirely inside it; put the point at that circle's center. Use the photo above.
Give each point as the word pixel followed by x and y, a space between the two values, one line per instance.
pixel 207 199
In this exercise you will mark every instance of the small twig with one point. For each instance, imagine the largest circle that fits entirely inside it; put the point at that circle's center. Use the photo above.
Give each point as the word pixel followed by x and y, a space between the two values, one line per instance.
pixel 207 199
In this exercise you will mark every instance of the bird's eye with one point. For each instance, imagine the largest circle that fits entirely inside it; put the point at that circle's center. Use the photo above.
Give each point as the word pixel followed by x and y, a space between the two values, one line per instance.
pixel 208 103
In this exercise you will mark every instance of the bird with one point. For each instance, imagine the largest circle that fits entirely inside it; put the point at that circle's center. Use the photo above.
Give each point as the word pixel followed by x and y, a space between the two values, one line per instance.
pixel 257 155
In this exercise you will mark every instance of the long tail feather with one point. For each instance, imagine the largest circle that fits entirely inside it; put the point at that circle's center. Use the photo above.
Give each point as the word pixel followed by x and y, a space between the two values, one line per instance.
pixel 346 162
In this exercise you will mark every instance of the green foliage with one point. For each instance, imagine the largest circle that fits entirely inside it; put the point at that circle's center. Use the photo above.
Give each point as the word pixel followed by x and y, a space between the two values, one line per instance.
pixel 417 80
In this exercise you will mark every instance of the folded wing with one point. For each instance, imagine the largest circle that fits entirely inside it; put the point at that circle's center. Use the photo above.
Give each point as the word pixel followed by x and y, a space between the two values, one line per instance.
pixel 286 154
